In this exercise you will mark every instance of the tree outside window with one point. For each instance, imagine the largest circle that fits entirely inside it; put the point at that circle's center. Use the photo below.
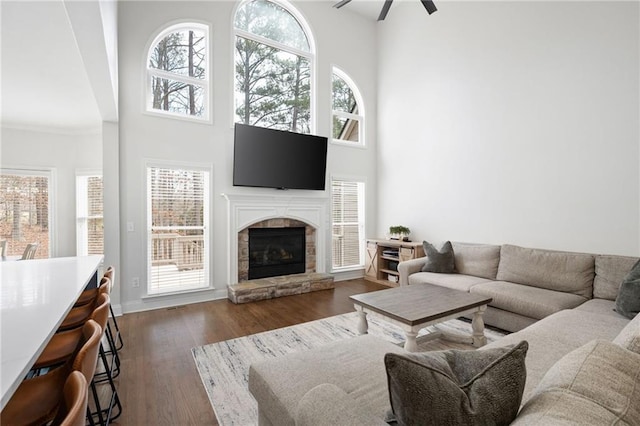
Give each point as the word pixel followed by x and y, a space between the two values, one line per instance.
pixel 346 110
pixel 273 63
pixel 177 69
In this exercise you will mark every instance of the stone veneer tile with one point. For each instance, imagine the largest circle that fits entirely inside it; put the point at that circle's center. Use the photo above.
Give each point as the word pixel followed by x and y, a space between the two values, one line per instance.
pixel 268 288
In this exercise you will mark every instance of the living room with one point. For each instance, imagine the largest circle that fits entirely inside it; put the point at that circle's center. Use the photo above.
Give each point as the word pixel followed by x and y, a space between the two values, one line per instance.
pixel 492 122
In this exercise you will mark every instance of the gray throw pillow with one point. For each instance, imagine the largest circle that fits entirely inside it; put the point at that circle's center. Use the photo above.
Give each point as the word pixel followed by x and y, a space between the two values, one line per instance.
pixel 441 261
pixel 628 299
pixel 457 387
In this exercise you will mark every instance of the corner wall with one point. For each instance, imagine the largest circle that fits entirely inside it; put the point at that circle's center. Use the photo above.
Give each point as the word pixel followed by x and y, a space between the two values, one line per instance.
pixel 512 122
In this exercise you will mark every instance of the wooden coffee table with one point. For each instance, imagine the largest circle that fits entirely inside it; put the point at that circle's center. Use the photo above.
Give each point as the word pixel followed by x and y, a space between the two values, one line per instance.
pixel 418 306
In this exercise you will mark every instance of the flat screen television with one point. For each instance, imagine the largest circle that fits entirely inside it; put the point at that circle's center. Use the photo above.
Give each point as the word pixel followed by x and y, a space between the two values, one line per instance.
pixel 271 158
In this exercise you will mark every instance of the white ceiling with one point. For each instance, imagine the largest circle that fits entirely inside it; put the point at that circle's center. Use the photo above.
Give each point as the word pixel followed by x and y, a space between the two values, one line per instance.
pixel 43 81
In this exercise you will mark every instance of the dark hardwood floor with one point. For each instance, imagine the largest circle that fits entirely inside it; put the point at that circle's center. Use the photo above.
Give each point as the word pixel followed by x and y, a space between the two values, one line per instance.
pixel 159 384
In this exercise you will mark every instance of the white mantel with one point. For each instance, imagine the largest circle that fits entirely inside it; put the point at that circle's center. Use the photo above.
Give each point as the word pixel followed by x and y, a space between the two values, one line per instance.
pixel 244 210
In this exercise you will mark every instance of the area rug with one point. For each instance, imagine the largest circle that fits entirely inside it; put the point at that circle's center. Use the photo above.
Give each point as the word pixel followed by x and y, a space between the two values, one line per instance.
pixel 224 366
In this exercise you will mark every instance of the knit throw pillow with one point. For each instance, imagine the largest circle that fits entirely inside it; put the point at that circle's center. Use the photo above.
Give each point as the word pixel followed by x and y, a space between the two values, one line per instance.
pixel 456 387
pixel 628 299
pixel 441 261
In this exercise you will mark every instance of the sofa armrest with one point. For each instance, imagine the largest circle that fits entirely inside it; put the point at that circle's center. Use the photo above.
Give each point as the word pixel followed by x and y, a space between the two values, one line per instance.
pixel 328 405
pixel 409 267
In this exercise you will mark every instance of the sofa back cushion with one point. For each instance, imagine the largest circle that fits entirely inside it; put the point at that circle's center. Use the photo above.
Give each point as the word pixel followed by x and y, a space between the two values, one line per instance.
pixel 553 270
pixel 479 260
pixel 629 336
pixel 610 271
pixel 594 384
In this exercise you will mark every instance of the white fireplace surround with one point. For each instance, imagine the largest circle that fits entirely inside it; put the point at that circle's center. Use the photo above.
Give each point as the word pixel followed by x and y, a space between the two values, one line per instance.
pixel 244 210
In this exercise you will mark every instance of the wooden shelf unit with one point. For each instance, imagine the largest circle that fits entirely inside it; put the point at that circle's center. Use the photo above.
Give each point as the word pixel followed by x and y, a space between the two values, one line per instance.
pixel 383 257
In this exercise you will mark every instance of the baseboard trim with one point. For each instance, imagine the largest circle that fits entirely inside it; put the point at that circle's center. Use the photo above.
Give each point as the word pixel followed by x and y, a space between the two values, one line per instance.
pixel 175 300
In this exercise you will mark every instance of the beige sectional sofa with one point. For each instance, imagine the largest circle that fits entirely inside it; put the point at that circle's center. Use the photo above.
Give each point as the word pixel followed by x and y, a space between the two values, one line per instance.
pixel 582 366
pixel 525 284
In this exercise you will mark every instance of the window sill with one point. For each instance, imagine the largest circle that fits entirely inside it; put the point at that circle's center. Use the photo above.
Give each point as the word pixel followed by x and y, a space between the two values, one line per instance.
pixel 348 144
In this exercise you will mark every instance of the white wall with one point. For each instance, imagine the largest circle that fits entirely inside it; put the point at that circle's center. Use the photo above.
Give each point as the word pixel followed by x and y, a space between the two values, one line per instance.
pixel 65 153
pixel 512 122
pixel 343 39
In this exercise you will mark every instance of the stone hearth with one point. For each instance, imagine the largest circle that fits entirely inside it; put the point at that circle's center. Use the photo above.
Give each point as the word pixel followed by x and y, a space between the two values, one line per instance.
pixel 269 288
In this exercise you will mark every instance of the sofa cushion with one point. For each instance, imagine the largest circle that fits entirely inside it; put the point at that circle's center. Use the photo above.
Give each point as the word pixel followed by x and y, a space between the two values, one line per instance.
pixel 441 261
pixel 601 307
pixel 554 270
pixel 629 337
pixel 610 271
pixel 530 301
pixel 328 405
pixel 454 281
pixel 457 386
pixel 628 299
pixel 355 365
pixel 480 260
pixel 594 384
pixel 554 336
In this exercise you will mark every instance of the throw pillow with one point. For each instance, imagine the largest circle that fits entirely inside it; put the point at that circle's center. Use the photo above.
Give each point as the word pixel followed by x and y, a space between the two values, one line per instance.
pixel 457 387
pixel 628 299
pixel 441 261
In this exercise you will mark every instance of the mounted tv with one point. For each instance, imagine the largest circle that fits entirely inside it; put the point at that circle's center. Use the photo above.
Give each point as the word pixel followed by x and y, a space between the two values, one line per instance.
pixel 271 158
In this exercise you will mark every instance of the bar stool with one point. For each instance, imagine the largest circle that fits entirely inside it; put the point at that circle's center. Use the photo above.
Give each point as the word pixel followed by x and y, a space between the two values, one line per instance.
pixel 37 400
pixel 105 415
pixel 73 409
pixel 79 314
pixel 111 274
pixel 62 345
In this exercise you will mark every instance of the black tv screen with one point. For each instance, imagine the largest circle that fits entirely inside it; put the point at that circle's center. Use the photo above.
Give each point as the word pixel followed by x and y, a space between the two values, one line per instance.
pixel 271 158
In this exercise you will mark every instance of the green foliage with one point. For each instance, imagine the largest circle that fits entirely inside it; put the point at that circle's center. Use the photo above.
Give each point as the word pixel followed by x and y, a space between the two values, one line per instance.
pixel 399 230
pixel 273 86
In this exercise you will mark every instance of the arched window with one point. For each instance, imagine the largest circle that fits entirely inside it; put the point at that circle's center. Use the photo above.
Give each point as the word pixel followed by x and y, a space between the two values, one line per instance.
pixel 177 72
pixel 347 110
pixel 274 56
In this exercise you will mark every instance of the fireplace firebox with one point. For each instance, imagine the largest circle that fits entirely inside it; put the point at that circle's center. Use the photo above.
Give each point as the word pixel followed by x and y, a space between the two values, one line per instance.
pixel 276 251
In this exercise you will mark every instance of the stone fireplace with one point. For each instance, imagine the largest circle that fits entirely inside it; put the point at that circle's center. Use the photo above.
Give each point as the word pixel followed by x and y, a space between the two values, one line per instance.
pixel 274 247
pixel 246 212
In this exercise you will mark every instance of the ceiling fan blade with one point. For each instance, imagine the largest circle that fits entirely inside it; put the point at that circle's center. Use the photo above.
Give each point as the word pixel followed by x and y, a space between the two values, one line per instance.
pixel 341 3
pixel 429 5
pixel 385 10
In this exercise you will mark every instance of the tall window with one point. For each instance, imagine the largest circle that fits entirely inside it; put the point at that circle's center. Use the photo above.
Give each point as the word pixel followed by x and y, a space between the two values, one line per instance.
pixel 25 210
pixel 177 72
pixel 89 215
pixel 347 216
pixel 347 111
pixel 178 237
pixel 273 67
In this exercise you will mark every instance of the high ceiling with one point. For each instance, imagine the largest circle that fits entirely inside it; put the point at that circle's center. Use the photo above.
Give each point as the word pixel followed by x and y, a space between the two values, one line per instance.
pixel 43 82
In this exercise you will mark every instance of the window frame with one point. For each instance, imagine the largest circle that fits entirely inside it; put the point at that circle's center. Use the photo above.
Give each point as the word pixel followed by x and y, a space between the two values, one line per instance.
pixel 82 245
pixel 310 55
pixel 51 174
pixel 205 83
pixel 360 117
pixel 361 221
pixel 208 184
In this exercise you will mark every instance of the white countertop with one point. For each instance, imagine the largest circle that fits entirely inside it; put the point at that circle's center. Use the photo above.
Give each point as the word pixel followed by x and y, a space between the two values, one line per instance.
pixel 35 296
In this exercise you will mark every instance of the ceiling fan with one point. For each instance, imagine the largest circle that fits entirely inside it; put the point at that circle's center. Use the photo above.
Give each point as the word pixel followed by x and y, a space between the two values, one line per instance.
pixel 428 4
